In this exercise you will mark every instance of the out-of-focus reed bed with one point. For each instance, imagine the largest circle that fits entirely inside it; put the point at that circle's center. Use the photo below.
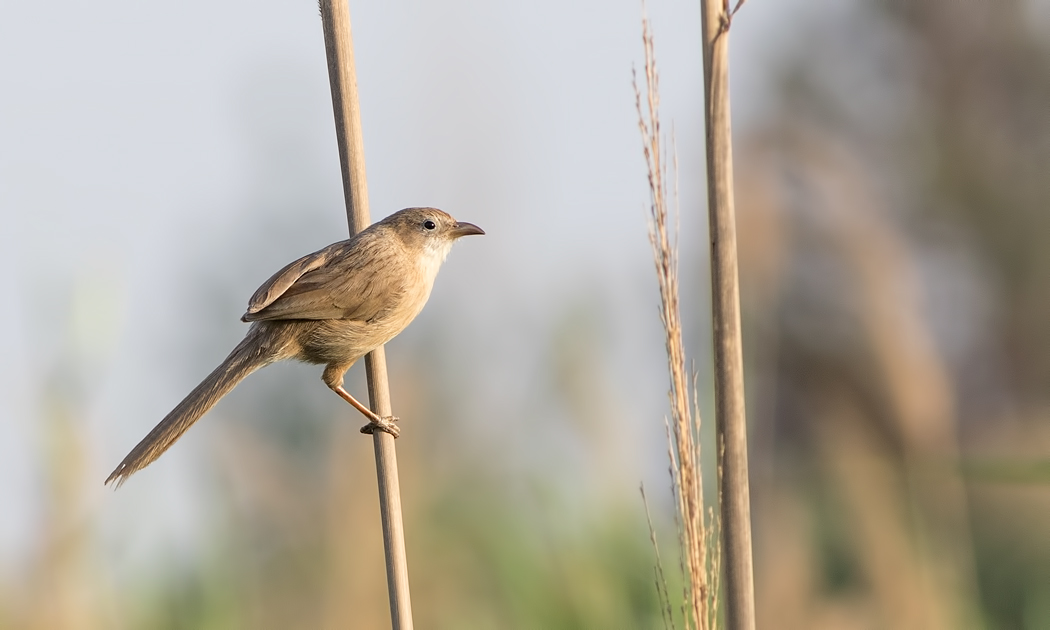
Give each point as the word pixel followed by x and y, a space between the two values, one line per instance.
pixel 894 241
pixel 56 585
pixel 875 392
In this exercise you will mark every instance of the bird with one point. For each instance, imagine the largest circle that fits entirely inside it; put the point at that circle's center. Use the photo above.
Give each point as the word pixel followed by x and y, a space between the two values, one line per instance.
pixel 330 308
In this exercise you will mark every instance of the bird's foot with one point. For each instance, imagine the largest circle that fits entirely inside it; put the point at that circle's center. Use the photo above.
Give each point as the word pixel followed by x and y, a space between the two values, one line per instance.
pixel 385 424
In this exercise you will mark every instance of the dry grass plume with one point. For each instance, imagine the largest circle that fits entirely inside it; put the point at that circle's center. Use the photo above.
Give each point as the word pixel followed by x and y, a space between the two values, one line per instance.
pixel 697 533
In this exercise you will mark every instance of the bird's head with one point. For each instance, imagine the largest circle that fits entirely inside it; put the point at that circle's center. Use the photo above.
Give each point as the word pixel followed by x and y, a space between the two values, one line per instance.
pixel 429 231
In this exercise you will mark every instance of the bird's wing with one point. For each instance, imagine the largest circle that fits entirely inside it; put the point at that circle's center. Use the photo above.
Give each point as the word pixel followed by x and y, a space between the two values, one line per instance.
pixel 279 282
pixel 338 282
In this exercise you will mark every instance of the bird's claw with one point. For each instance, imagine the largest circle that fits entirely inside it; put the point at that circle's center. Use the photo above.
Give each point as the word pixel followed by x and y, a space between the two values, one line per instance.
pixel 385 424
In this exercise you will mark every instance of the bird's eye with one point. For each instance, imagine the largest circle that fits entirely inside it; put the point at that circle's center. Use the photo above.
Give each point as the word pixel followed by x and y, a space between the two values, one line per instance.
pixel 430 225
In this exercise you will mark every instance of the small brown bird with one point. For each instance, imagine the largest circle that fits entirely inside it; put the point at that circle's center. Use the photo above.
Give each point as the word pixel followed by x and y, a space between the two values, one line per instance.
pixel 331 307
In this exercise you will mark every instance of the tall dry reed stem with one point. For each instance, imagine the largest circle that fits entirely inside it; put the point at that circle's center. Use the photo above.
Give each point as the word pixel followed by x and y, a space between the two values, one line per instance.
pixel 700 556
pixel 339 50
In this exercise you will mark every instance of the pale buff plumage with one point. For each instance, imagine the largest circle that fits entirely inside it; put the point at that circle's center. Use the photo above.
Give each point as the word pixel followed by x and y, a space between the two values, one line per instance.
pixel 331 307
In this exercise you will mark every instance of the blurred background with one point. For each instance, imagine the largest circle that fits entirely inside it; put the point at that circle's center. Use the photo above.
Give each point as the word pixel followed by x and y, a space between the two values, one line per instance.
pixel 159 161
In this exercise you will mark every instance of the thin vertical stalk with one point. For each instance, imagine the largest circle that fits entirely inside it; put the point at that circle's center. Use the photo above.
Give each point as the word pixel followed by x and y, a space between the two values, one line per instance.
pixel 335 18
pixel 730 418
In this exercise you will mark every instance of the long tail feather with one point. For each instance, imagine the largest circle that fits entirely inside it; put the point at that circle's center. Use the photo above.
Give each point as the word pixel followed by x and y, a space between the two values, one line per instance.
pixel 252 353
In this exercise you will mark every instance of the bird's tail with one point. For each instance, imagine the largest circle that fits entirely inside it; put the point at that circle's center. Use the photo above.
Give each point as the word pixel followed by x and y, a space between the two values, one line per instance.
pixel 256 350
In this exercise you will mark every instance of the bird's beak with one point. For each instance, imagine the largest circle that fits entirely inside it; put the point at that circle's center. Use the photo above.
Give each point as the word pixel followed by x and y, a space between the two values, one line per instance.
pixel 463 228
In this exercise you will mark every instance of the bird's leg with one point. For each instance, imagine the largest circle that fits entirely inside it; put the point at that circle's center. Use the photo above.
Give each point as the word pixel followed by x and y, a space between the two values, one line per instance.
pixel 333 378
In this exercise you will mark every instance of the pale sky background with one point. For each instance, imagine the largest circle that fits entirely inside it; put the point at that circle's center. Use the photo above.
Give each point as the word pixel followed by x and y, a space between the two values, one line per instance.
pixel 144 146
